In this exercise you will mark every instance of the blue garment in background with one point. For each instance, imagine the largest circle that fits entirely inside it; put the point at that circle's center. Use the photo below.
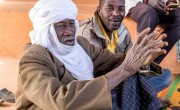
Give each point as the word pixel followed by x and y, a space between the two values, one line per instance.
pixel 161 82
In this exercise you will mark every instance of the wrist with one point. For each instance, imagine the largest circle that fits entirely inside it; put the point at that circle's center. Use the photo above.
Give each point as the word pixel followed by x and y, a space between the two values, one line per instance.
pixel 127 68
pixel 116 76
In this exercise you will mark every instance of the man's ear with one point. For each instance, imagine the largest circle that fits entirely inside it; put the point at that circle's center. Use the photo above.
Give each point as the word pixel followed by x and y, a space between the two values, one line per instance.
pixel 98 9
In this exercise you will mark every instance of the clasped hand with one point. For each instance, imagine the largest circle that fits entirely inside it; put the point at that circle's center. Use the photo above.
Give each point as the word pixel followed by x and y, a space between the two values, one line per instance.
pixel 160 6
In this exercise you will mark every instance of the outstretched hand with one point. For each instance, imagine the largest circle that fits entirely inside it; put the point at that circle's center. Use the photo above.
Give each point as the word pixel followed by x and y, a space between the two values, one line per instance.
pixel 152 57
pixel 159 6
pixel 145 47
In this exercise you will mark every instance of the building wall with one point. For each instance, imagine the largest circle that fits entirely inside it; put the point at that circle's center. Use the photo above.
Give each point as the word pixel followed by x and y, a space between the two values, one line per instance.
pixel 15 26
pixel 14 29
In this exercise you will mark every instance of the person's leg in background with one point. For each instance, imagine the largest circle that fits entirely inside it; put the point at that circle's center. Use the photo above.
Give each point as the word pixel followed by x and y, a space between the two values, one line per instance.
pixel 171 25
pixel 146 16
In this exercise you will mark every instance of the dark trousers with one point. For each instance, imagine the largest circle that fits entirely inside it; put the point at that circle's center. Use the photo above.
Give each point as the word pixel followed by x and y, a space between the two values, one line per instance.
pixel 147 16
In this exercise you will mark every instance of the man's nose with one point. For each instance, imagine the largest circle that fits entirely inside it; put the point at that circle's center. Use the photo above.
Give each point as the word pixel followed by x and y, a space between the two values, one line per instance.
pixel 68 31
pixel 116 12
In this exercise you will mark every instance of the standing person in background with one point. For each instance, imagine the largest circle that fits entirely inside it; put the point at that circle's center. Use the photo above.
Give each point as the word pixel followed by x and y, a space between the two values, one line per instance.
pixel 150 13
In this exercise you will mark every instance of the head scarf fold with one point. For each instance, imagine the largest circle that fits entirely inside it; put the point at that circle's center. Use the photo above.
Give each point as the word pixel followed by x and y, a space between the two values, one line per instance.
pixel 43 16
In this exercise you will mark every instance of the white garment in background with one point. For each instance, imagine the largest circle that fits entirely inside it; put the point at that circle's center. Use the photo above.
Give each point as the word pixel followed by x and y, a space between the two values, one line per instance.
pixel 132 3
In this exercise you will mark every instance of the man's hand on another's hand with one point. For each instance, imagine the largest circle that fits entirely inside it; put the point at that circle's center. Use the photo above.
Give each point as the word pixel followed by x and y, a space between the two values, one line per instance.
pixel 169 2
pixel 159 5
pixel 152 57
pixel 145 46
pixel 172 6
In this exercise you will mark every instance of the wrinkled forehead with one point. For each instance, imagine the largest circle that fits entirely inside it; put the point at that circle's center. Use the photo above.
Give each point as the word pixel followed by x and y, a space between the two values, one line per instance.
pixel 66 21
pixel 114 2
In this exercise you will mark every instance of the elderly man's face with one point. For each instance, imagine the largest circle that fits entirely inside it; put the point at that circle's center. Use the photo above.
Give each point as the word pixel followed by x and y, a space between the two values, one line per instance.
pixel 112 13
pixel 65 30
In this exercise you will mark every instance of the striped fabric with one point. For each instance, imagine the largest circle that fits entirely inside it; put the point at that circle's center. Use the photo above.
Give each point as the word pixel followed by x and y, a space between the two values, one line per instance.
pixel 136 93
pixel 178 50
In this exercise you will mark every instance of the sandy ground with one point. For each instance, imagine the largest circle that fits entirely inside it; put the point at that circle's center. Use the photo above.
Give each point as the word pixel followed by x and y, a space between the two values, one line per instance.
pixel 8 78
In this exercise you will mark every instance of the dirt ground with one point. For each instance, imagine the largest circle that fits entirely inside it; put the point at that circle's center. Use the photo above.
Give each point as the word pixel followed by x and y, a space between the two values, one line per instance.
pixel 8 78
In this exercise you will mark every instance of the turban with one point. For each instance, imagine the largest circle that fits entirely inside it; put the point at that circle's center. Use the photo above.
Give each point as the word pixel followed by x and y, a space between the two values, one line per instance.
pixel 44 15
pixel 47 12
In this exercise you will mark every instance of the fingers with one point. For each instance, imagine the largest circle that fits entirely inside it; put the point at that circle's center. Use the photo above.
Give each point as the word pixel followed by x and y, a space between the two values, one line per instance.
pixel 151 45
pixel 151 57
pixel 151 51
pixel 161 37
pixel 162 4
pixel 142 35
pixel 164 44
pixel 154 53
pixel 163 51
pixel 172 6
pixel 162 7
pixel 149 38
pixel 161 10
pixel 157 29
